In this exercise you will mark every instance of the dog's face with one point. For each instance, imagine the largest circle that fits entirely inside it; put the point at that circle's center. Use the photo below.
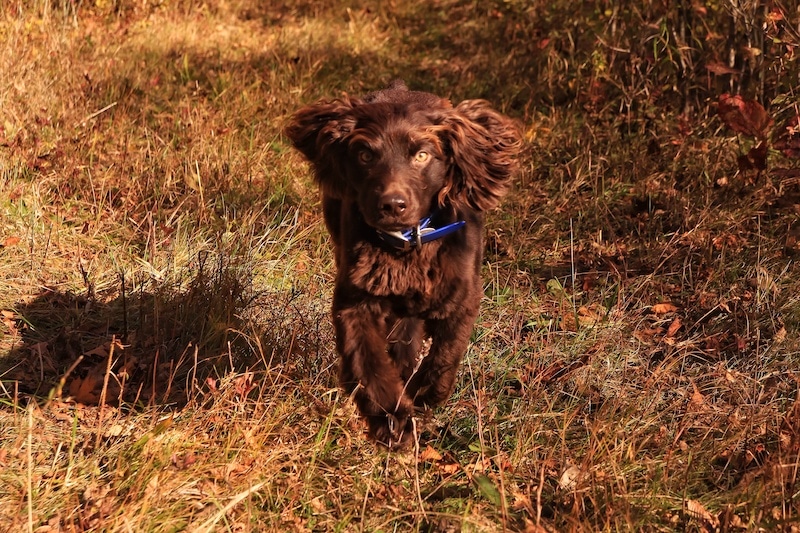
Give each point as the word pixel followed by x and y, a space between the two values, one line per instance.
pixel 398 153
pixel 394 164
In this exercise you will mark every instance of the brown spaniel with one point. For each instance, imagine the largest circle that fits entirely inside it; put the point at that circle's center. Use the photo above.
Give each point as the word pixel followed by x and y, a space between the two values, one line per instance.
pixel 405 179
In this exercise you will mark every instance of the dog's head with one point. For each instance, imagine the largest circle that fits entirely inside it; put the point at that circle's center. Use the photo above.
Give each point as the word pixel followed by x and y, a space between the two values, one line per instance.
pixel 399 153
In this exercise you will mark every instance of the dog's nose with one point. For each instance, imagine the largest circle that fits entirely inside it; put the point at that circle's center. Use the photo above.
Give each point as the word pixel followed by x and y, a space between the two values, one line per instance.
pixel 392 204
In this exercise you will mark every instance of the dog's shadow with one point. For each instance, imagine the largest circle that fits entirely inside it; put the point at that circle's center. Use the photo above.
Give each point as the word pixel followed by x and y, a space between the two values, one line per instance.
pixel 151 345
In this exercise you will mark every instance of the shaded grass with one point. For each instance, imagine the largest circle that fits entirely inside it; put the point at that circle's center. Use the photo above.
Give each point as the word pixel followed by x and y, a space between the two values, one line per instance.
pixel 148 198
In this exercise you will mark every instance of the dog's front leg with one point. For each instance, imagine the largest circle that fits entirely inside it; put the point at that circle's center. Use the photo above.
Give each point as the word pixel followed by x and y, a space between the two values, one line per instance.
pixel 370 374
pixel 433 383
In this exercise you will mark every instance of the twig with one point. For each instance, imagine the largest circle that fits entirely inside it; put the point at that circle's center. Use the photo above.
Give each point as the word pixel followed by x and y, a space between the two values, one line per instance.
pixel 104 390
pixel 98 112
pixel 416 468
pixel 30 467
pixel 539 497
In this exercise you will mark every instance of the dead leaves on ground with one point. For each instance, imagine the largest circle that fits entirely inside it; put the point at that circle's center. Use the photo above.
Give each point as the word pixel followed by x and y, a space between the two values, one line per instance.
pixel 749 118
pixel 787 139
pixel 744 116
pixel 101 382
pixel 10 241
pixel 10 320
pixel 662 314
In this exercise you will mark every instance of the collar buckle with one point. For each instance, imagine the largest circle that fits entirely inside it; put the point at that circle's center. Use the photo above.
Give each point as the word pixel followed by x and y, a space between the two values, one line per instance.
pixel 419 234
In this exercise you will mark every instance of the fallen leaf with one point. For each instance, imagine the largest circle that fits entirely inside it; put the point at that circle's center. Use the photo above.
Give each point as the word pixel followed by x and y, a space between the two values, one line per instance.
pixel 744 116
pixel 674 327
pixel 664 308
pixel 243 384
pixel 9 320
pixel 569 478
pixel 82 390
pixel 450 468
pixel 697 510
pixel 592 314
pixel 182 461
pixel 720 68
pixel 430 454
pixel 697 399
pixel 10 241
pixel 645 334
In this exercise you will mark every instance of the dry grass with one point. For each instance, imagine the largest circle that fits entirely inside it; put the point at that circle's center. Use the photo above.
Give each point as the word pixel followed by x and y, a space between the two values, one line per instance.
pixel 635 366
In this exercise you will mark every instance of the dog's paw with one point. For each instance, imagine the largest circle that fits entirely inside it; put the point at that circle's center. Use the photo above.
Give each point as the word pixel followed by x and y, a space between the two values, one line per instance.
pixel 393 430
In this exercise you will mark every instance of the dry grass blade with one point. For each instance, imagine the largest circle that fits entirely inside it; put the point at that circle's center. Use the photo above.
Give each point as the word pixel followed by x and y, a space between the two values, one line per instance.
pixel 211 523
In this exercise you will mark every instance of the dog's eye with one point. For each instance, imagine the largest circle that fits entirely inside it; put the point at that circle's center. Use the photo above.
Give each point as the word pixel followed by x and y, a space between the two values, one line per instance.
pixel 365 156
pixel 422 156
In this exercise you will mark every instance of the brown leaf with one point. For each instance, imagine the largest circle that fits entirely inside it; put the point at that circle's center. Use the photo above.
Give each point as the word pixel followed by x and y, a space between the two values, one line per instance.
pixel 10 241
pixel 182 461
pixel 697 399
pixel 674 327
pixel 646 334
pixel 243 384
pixel 450 468
pixel 429 454
pixel 744 116
pixel 697 510
pixel 720 68
pixel 82 390
pixel 664 308
pixel 591 314
pixel 9 320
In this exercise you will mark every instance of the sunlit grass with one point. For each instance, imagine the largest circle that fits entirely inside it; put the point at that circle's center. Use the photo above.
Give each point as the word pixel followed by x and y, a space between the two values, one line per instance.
pixel 634 364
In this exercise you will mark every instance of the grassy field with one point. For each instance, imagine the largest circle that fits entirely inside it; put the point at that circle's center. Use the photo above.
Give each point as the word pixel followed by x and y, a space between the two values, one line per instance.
pixel 166 358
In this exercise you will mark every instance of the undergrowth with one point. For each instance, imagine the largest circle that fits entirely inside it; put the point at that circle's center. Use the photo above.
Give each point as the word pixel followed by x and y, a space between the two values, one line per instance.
pixel 166 357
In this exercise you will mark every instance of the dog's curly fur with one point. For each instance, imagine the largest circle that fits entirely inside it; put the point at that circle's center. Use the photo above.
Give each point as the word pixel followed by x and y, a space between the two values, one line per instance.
pixel 383 162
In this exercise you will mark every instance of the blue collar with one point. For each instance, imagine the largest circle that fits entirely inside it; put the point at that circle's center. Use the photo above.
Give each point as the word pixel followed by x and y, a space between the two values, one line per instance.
pixel 419 234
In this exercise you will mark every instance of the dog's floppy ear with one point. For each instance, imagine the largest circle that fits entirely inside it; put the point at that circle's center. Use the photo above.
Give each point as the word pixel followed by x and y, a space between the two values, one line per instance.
pixel 317 131
pixel 482 146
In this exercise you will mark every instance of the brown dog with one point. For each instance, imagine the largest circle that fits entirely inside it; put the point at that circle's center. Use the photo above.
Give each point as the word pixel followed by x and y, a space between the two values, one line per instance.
pixel 405 179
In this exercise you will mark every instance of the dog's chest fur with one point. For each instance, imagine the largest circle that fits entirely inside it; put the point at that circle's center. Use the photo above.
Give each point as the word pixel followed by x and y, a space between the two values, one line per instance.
pixel 416 273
